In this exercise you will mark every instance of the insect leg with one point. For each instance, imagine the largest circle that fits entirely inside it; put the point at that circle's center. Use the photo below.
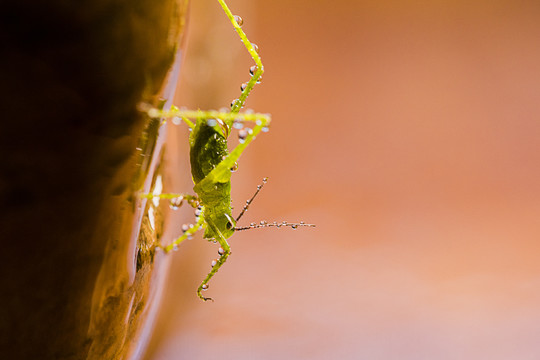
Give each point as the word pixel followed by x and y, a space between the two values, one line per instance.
pixel 189 232
pixel 259 68
pixel 175 199
pixel 250 135
pixel 217 263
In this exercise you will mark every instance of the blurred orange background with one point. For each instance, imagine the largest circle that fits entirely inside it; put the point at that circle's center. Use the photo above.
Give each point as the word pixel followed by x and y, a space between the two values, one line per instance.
pixel 408 132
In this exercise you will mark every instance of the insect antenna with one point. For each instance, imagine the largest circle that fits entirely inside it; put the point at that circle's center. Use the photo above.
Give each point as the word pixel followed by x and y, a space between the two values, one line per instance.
pixel 264 223
pixel 248 202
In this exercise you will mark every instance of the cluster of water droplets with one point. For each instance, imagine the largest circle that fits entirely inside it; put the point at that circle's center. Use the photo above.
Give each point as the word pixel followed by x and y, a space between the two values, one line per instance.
pixel 185 228
pixel 243 134
pixel 176 202
pixel 198 213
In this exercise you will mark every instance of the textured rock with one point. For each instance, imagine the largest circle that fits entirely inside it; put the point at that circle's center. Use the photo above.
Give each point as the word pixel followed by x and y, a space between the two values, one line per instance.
pixel 71 75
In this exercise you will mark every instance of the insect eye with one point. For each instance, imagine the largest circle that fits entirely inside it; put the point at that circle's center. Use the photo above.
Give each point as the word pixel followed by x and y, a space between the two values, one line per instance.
pixel 229 225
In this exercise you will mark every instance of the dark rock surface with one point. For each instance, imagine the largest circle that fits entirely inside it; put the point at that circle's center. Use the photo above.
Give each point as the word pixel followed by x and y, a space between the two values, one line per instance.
pixel 71 76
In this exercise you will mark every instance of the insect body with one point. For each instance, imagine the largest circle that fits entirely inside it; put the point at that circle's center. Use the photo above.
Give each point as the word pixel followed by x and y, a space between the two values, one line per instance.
pixel 211 163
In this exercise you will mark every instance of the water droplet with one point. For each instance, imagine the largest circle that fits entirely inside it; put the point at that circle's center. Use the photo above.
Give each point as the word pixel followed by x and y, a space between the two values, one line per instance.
pixel 221 251
pixel 243 87
pixel 176 202
pixel 234 167
pixel 263 222
pixel 301 223
pixel 265 129
pixel 214 263
pixel 205 287
pixel 294 226
pixel 176 120
pixel 255 47
pixel 233 102
pixel 258 122
pixel 175 247
pixel 238 124
pixel 259 80
pixel 239 20
pixel 242 134
pixel 153 113
pixel 185 227
pixel 252 224
pixel 253 69
pixel 211 122
pixel 265 180
pixel 198 212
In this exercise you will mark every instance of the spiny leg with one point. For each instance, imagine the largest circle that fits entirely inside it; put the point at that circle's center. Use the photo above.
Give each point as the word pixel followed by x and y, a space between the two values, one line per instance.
pixel 176 199
pixel 259 68
pixel 246 137
pixel 224 253
pixel 188 233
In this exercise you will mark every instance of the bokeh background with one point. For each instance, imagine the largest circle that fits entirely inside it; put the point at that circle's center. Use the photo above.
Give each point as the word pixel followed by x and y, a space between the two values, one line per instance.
pixel 408 132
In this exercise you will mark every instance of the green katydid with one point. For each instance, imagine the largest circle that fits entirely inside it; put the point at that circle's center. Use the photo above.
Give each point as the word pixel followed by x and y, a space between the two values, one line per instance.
pixel 211 163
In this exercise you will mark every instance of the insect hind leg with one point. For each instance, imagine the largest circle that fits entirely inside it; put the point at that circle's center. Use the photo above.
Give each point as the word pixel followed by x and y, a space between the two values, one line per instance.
pixel 224 253
pixel 259 68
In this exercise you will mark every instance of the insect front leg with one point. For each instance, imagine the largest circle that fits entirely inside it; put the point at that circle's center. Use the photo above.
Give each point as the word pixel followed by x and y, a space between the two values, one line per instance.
pixel 176 200
pixel 187 234
pixel 224 252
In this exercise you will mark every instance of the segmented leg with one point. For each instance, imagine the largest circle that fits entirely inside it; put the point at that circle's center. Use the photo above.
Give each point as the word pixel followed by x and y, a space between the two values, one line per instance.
pixel 224 253
pixel 189 232
pixel 259 68
pixel 176 199
pixel 261 122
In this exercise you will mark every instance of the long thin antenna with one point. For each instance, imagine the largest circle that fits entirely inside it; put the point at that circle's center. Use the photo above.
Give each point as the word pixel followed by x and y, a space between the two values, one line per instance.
pixel 248 202
pixel 263 224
